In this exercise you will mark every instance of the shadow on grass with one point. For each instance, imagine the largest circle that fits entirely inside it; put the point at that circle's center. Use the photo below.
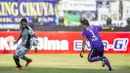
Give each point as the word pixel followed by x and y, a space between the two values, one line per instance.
pixel 125 69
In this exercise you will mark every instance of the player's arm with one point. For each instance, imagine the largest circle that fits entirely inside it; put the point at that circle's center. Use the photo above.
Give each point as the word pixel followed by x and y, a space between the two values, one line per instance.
pixel 35 47
pixel 83 46
pixel 20 36
pixel 83 43
pixel 31 32
pixel 107 28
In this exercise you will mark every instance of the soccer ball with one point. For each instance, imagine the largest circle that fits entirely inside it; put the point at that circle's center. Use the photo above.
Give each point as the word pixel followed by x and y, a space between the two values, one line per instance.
pixel 34 41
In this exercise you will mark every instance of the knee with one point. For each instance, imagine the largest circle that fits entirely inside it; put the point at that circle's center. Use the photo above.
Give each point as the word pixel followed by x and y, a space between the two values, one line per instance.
pixel 21 57
pixel 89 59
pixel 15 56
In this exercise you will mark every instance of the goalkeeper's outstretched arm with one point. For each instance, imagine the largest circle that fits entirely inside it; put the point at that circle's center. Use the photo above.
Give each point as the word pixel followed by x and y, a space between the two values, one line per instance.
pixel 107 28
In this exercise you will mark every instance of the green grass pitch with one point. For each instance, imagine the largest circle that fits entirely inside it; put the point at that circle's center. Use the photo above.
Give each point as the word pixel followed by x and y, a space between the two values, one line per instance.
pixel 65 63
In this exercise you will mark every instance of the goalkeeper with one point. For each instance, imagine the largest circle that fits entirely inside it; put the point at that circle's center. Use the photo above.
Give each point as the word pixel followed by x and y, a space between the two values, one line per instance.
pixel 97 48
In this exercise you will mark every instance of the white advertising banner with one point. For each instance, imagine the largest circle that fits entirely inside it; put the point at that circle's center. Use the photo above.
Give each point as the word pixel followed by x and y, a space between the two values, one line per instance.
pixel 126 9
pixel 102 16
pixel 79 5
pixel 108 9
pixel 118 23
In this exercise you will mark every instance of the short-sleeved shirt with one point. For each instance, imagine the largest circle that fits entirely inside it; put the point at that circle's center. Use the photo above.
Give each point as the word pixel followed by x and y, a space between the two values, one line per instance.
pixel 26 36
pixel 92 33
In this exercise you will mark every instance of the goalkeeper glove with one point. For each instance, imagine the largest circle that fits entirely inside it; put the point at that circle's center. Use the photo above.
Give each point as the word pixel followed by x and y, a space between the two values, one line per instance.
pixel 112 28
pixel 81 53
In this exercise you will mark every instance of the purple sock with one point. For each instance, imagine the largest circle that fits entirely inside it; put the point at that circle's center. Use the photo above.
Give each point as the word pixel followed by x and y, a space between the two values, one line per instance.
pixel 108 64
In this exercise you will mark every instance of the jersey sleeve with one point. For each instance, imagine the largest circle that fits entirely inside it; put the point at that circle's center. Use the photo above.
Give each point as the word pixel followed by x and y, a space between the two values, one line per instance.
pixel 84 35
pixel 99 28
pixel 30 31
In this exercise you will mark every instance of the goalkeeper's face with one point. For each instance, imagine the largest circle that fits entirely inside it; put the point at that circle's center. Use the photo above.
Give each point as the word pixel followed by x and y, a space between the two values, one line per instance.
pixel 84 23
pixel 83 27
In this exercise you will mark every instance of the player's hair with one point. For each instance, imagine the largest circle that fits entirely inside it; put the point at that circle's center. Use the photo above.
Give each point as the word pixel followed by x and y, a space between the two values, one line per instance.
pixel 23 20
pixel 84 22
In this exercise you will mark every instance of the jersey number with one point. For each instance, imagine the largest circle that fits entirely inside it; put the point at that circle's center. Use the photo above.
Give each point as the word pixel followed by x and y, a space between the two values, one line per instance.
pixel 94 38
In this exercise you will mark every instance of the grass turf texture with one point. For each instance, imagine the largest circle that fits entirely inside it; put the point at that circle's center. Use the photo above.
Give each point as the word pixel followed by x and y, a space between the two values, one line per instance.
pixel 65 63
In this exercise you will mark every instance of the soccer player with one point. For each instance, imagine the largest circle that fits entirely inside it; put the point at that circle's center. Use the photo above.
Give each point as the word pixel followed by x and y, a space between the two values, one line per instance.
pixel 26 33
pixel 97 48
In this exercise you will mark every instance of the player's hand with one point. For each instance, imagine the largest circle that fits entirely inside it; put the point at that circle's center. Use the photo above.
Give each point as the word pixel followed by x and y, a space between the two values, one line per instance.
pixel 15 42
pixel 36 50
pixel 81 53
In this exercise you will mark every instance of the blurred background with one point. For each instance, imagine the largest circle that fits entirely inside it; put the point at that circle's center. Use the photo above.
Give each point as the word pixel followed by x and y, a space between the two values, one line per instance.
pixel 57 25
pixel 64 15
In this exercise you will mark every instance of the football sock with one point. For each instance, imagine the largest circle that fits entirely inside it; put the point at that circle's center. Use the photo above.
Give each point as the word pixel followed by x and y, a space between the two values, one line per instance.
pixel 16 59
pixel 25 58
pixel 107 63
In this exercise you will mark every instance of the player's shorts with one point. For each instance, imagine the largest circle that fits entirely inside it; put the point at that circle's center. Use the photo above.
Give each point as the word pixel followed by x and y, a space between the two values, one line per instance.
pixel 21 51
pixel 94 52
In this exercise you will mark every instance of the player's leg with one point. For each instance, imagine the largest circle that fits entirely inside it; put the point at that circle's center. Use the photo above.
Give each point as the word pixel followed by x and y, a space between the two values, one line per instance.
pixel 22 56
pixel 25 58
pixel 93 56
pixel 28 60
pixel 104 60
pixel 101 54
pixel 16 59
pixel 17 62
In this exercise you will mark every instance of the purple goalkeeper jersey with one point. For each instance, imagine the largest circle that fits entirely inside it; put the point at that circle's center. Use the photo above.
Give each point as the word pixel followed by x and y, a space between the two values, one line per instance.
pixel 92 33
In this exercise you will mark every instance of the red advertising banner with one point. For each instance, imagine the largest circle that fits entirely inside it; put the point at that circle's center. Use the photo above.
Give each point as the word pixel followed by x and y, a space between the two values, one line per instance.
pixel 67 42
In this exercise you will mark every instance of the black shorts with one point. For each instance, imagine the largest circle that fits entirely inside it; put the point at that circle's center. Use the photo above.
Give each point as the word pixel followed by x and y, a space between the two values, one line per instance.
pixel 95 52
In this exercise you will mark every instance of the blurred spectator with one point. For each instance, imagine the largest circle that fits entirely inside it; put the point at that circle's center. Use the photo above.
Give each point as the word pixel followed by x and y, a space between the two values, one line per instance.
pixel 109 22
pixel 128 22
pixel 34 22
pixel 120 10
pixel 103 3
pixel 61 21
pixel 59 13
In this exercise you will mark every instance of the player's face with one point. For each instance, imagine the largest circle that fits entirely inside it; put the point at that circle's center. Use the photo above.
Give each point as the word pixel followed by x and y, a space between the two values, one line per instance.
pixel 83 27
pixel 23 25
